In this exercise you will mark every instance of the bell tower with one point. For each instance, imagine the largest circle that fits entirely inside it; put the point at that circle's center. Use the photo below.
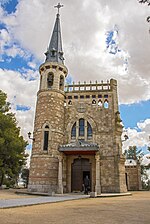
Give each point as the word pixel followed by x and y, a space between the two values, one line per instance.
pixel 49 117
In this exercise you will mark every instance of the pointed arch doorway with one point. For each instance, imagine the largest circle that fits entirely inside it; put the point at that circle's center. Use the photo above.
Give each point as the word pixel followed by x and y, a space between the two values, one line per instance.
pixel 80 169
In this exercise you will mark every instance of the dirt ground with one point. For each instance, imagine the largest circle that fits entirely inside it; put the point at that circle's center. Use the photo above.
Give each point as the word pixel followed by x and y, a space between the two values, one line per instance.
pixel 133 209
pixel 10 194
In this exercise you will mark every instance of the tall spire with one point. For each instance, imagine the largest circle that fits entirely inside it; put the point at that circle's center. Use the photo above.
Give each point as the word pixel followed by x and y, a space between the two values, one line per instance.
pixel 54 52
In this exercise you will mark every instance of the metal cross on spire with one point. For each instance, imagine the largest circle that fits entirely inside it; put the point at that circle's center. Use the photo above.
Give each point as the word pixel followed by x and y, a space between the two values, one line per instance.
pixel 58 6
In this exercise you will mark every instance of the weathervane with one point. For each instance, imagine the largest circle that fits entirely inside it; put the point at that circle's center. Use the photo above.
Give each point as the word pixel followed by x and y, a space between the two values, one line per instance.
pixel 58 6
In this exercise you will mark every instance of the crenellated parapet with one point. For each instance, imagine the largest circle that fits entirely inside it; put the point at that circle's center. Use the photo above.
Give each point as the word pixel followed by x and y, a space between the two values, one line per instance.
pixel 109 85
pixel 79 87
pixel 101 94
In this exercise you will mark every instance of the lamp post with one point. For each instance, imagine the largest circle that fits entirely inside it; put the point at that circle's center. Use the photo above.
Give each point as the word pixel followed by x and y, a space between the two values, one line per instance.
pixel 126 137
pixel 29 136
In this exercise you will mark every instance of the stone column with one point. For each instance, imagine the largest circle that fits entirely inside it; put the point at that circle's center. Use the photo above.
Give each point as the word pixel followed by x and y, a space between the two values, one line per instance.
pixel 97 186
pixel 60 175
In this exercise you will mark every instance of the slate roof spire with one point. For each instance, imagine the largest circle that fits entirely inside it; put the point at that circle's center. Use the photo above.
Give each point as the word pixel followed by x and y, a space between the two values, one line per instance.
pixel 54 52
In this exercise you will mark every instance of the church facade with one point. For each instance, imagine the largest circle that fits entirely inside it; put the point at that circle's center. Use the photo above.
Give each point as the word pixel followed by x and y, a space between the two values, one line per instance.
pixel 77 131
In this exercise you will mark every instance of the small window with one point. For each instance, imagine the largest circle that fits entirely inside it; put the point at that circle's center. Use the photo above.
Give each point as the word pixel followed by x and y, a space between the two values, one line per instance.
pixel 87 96
pixel 93 102
pixel 105 96
pixel 99 96
pixel 75 97
pixel 60 68
pixel 73 131
pixel 46 134
pixel 93 96
pixel 100 104
pixel 70 102
pixel 50 80
pixel 47 67
pixel 81 127
pixel 81 97
pixel 69 97
pixel 61 83
pixel 89 130
pixel 106 105
pixel 54 66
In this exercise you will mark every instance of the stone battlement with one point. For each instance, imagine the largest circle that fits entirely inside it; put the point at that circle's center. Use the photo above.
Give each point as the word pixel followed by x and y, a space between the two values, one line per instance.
pixel 79 87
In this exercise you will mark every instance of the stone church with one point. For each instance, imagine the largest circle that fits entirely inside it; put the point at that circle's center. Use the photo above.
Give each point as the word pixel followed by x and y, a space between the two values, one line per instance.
pixel 77 131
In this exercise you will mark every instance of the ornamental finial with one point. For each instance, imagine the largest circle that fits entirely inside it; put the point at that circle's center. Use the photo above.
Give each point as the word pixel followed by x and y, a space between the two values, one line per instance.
pixel 58 6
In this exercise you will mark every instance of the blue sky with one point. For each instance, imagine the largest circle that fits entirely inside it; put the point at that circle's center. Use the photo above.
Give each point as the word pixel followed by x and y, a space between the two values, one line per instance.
pixel 9 5
pixel 133 113
pixel 25 34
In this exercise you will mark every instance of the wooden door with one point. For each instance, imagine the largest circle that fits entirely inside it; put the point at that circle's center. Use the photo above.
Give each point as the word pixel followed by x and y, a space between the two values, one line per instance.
pixel 80 168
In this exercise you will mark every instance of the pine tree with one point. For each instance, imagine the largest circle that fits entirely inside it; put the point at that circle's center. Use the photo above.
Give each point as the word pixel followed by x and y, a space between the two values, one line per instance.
pixel 12 145
pixel 133 153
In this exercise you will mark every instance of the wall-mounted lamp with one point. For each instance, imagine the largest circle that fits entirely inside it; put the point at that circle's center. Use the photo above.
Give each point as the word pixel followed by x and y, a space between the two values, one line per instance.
pixel 125 138
pixel 79 156
pixel 29 136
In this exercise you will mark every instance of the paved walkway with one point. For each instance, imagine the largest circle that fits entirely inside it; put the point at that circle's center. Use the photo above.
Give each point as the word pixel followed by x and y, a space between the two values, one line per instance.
pixel 10 203
pixel 45 198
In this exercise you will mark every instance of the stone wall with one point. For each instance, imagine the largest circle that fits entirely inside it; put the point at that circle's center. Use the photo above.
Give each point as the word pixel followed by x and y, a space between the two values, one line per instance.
pixel 106 129
pixel 43 174
pixel 59 111
pixel 50 115
pixel 133 175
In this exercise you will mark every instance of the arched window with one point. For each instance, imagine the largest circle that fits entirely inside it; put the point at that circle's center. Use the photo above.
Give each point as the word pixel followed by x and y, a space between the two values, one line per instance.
pixel 100 104
pixel 61 83
pixel 106 104
pixel 89 130
pixel 46 138
pixel 73 131
pixel 50 80
pixel 81 127
pixel 70 102
pixel 81 130
pixel 93 102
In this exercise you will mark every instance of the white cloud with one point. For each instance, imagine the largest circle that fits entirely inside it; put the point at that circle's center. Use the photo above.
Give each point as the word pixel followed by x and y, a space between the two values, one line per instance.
pixel 145 126
pixel 32 64
pixel 9 48
pixel 83 27
pixel 146 160
pixel 139 138
pixel 84 24
pixel 20 91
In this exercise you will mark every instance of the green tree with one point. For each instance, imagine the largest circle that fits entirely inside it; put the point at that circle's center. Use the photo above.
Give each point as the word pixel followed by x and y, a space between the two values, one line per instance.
pixel 133 153
pixel 12 145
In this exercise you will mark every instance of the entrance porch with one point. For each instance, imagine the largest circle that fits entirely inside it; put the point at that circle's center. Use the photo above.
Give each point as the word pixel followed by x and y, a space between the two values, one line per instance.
pixel 80 160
